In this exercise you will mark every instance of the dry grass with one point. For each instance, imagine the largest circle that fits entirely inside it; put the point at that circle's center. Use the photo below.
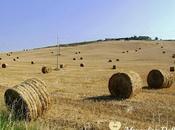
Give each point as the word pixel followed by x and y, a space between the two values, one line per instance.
pixel 81 96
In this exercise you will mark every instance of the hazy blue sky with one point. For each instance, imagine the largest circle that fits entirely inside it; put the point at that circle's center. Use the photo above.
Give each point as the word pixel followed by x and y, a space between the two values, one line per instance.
pixel 35 23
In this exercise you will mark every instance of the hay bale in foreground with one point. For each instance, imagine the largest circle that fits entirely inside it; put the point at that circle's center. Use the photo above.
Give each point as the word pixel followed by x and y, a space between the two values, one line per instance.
pixel 28 100
pixel 4 65
pixel 46 69
pixel 159 79
pixel 124 85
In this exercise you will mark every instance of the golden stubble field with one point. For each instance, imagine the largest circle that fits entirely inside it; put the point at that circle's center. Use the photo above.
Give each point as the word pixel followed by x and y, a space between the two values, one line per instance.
pixel 80 96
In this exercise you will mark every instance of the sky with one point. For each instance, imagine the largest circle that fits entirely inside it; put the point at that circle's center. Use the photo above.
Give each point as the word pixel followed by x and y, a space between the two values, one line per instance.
pixel 36 23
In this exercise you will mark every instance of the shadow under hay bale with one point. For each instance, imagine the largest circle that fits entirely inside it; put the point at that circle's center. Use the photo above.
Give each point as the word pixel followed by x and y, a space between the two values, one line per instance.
pixel 159 79
pixel 171 69
pixel 124 85
pixel 32 62
pixel 4 65
pixel 110 60
pixel 81 65
pixel 46 69
pixel 28 100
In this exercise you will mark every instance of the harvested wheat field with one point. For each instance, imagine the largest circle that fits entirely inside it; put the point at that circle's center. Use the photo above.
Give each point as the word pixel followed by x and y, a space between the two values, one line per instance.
pixel 79 95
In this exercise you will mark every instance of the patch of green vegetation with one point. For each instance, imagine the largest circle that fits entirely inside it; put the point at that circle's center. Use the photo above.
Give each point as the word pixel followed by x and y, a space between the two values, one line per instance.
pixel 8 123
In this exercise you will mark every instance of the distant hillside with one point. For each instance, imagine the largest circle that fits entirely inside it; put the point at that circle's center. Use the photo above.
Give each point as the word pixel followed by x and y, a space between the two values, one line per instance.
pixel 147 38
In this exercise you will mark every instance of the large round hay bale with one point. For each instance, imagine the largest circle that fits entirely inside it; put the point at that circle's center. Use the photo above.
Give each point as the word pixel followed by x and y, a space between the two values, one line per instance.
pixel 4 65
pixel 46 69
pixel 124 85
pixel 28 100
pixel 159 79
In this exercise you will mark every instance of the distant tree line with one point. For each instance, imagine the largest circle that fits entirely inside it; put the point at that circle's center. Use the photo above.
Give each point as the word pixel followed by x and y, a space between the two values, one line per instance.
pixel 147 38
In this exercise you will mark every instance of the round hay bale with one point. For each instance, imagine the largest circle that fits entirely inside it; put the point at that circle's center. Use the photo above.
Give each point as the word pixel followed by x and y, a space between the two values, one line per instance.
pixel 81 58
pixel 0 58
pixel 172 69
pixel 123 52
pixel 32 62
pixel 74 58
pixel 140 48
pixel 46 69
pixel 124 85
pixel 52 52
pixel 109 60
pixel 114 67
pixel 159 79
pixel 173 56
pixel 127 51
pixel 17 57
pixel 81 65
pixel 161 46
pixel 14 59
pixel 28 100
pixel 4 65
pixel 79 52
pixel 76 52
pixel 117 59
pixel 163 52
pixel 136 50
pixel 61 66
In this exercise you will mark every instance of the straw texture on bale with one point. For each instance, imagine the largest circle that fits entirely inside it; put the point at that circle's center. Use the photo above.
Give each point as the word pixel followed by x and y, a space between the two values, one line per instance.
pixel 4 65
pixel 46 69
pixel 28 100
pixel 159 79
pixel 124 85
